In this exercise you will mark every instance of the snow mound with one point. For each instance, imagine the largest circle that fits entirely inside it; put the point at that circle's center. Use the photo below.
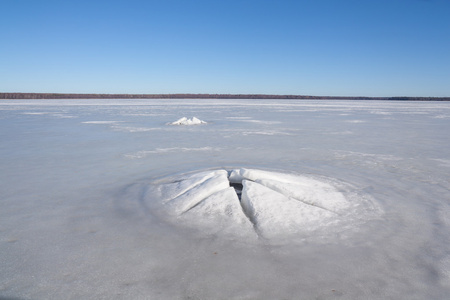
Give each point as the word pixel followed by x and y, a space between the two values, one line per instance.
pixel 186 121
pixel 250 204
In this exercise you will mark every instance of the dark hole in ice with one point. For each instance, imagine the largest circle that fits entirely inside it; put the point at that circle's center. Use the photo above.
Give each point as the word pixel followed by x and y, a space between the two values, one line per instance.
pixel 238 188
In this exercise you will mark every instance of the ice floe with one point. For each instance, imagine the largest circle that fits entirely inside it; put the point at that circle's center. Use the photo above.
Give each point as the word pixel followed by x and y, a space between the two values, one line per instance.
pixel 186 121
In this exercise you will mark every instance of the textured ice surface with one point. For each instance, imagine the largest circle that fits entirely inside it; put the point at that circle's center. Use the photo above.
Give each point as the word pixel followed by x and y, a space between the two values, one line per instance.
pixel 283 208
pixel 277 216
pixel 220 214
pixel 85 187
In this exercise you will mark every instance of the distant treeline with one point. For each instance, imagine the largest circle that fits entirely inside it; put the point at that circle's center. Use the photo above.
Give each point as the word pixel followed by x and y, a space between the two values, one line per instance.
pixel 203 96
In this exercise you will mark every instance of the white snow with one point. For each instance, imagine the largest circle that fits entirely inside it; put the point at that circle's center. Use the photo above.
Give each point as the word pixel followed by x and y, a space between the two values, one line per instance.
pixel 186 121
pixel 282 207
pixel 277 216
pixel 301 188
pixel 323 214
pixel 220 214
pixel 182 185
pixel 192 197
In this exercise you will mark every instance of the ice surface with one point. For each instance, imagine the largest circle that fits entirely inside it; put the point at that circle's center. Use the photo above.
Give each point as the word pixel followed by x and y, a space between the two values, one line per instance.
pixel 100 199
pixel 276 216
pixel 302 188
pixel 184 184
pixel 310 192
pixel 100 122
pixel 283 208
pixel 220 215
pixel 145 153
pixel 192 197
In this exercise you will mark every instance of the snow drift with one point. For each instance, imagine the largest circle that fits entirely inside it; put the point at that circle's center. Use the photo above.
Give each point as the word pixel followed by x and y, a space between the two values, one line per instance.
pixel 249 203
pixel 186 121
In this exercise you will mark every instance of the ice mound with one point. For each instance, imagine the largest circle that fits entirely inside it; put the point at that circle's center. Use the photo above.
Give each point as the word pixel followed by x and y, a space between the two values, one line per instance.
pixel 251 204
pixel 186 121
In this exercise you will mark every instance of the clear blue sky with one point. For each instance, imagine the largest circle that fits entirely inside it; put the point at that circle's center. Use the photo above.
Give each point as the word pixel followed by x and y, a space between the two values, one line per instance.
pixel 314 47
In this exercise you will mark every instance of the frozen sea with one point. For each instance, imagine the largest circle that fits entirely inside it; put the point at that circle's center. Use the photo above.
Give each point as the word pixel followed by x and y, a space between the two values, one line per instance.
pixel 84 186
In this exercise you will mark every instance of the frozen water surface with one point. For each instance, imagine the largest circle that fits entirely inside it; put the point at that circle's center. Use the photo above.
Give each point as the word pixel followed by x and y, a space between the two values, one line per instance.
pixel 101 199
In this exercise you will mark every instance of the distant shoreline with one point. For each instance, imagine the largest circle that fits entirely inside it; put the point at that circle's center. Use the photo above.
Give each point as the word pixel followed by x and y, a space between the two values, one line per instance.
pixel 12 96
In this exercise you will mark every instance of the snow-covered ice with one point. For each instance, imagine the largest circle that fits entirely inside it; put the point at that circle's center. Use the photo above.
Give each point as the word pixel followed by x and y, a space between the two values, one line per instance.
pixel 100 122
pixel 283 208
pixel 100 199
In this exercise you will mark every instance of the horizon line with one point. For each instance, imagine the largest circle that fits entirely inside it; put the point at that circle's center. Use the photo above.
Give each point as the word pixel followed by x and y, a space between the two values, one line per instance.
pixel 20 95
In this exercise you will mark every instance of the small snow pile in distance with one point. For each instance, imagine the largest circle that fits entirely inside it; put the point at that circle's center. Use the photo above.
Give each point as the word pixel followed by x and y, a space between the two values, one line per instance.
pixel 186 121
